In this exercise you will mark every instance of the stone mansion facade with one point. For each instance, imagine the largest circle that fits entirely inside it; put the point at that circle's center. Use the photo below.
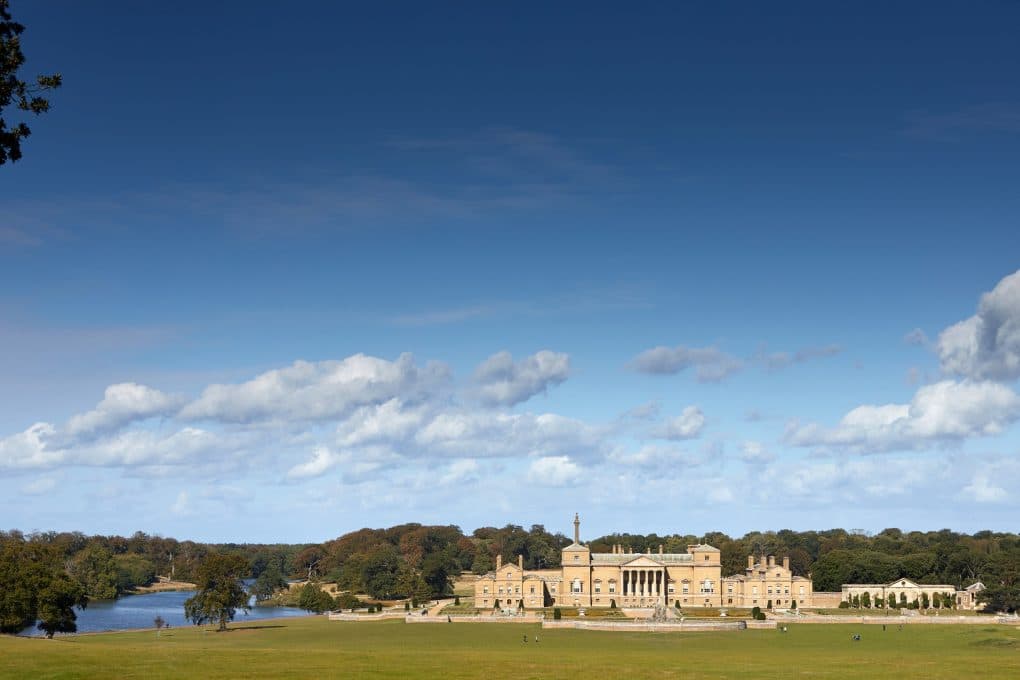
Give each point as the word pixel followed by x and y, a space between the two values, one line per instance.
pixel 638 580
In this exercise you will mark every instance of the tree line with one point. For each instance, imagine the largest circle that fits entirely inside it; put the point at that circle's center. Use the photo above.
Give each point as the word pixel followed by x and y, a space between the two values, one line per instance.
pixel 45 576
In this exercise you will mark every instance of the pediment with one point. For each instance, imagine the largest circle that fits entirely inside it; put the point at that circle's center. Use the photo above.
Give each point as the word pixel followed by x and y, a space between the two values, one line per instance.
pixel 643 561
pixel 903 583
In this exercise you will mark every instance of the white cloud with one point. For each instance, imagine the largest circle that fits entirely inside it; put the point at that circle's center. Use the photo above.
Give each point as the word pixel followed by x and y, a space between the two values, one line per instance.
pixel 500 381
pixel 389 421
pixel 460 471
pixel 553 471
pixel 321 461
pixel 755 453
pixel 316 391
pixel 28 449
pixel 944 411
pixel 987 345
pixel 687 425
pixel 981 491
pixel 459 433
pixel 122 404
pixel 711 364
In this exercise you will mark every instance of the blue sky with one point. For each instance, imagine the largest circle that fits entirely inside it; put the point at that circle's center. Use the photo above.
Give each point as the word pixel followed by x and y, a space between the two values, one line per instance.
pixel 276 273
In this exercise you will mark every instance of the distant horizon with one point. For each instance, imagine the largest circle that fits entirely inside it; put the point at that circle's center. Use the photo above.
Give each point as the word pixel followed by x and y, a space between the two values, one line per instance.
pixel 694 267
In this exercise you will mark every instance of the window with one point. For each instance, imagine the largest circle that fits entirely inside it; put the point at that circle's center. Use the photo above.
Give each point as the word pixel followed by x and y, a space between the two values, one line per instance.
pixel 707 586
pixel 532 590
pixel 509 575
pixel 612 586
pixel 598 586
pixel 501 590
pixel 576 586
pixel 754 590
pixel 517 589
pixel 672 588
pixel 770 590
pixel 552 590
pixel 786 590
pixel 802 590
pixel 577 558
pixel 706 558
pixel 729 588
pixel 686 587
pixel 485 590
pixel 729 601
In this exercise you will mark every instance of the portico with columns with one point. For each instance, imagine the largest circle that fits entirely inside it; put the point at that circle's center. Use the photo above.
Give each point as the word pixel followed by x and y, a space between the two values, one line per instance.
pixel 639 580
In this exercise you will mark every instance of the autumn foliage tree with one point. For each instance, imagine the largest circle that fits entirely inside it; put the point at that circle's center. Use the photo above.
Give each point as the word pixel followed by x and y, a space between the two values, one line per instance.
pixel 220 593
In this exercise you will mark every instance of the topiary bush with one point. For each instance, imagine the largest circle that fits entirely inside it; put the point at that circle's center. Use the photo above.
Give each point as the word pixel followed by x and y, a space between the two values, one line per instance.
pixel 456 600
pixel 557 614
pixel 612 604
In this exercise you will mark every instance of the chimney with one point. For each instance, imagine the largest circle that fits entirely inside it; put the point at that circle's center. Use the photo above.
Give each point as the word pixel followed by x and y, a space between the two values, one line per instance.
pixel 772 560
pixel 786 563
pixel 520 562
pixel 577 528
pixel 499 562
pixel 750 561
pixel 660 548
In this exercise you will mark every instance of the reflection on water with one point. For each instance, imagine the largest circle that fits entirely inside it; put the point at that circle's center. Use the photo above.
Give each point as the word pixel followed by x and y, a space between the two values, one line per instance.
pixel 138 611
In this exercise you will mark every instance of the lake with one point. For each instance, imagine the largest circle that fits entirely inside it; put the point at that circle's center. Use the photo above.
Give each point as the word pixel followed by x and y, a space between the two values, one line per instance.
pixel 138 611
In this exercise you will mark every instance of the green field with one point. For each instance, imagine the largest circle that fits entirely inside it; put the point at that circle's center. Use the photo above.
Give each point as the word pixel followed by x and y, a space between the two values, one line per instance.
pixel 315 647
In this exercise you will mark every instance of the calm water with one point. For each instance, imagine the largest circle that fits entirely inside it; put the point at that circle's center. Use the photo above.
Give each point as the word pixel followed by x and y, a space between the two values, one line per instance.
pixel 138 611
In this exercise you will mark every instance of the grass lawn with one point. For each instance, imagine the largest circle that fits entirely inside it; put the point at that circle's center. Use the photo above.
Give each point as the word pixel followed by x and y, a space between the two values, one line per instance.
pixel 316 647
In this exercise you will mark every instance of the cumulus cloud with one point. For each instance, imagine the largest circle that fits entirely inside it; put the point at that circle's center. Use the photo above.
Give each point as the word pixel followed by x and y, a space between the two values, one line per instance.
pixel 122 404
pixel 553 471
pixel 460 433
pixel 500 381
pixel 710 363
pixel 322 460
pixel 29 449
pixel 944 411
pixel 987 345
pixel 687 425
pixel 315 391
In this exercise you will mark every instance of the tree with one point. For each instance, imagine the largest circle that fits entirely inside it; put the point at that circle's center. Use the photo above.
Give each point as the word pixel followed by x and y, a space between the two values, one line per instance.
pixel 892 601
pixel 866 601
pixel 925 601
pixel 314 599
pixel 36 587
pixel 96 572
pixel 268 582
pixel 23 95
pixel 57 600
pixel 219 594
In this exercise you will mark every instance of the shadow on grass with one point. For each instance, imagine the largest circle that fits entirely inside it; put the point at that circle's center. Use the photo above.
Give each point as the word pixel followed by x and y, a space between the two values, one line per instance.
pixel 253 627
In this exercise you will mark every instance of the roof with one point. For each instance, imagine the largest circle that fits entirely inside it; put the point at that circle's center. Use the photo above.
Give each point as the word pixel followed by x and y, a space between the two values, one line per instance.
pixel 703 547
pixel 576 547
